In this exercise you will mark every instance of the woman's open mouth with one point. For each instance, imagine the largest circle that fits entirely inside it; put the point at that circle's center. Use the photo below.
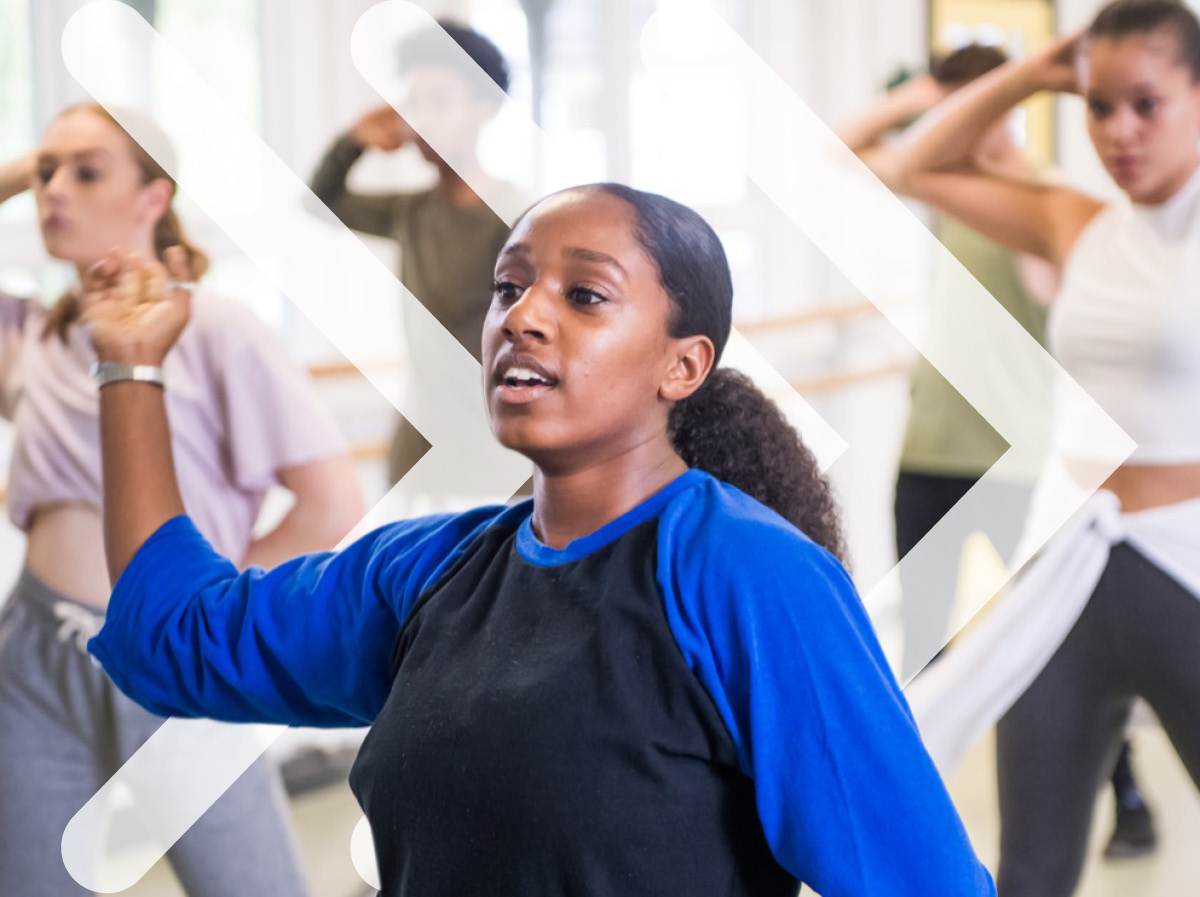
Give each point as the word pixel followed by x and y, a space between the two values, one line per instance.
pixel 522 379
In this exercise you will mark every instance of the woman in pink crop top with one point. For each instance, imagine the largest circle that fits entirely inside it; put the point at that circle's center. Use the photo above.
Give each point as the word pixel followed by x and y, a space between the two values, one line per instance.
pixel 244 417
pixel 1126 325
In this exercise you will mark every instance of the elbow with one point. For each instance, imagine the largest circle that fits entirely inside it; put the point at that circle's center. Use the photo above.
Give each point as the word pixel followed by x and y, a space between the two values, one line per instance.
pixel 319 525
pixel 340 510
pixel 328 502
pixel 911 178
pixel 349 513
pixel 349 508
pixel 905 172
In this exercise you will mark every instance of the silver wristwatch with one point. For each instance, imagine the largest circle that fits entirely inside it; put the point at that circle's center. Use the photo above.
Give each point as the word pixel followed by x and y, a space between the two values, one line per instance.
pixel 106 372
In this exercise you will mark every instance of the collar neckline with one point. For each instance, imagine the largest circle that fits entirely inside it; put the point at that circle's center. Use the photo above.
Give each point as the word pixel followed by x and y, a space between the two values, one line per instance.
pixel 535 552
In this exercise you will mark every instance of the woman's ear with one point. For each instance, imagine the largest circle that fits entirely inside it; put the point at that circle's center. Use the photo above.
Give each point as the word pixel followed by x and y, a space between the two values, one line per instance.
pixel 692 360
pixel 155 198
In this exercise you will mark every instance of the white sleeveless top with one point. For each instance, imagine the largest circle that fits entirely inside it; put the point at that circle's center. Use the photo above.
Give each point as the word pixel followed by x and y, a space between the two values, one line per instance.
pixel 1126 325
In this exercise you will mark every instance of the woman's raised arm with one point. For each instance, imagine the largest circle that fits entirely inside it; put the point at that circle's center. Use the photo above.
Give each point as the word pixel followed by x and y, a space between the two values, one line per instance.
pixel 308 642
pixel 132 323
pixel 937 161
pixel 16 175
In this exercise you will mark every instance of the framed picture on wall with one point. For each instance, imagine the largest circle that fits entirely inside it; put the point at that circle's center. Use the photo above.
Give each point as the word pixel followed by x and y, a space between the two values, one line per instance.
pixel 1019 27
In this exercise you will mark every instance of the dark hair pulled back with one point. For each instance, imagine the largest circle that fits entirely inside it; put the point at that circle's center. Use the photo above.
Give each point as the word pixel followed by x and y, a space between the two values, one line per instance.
pixel 966 64
pixel 728 427
pixel 1122 18
pixel 420 49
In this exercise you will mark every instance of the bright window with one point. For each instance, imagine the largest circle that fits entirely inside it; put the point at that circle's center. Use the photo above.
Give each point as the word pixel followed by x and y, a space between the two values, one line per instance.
pixel 16 92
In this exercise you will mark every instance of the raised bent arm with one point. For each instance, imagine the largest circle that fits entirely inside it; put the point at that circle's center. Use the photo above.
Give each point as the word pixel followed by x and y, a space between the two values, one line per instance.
pixel 16 176
pixel 369 213
pixel 132 323
pixel 308 642
pixel 864 136
pixel 937 162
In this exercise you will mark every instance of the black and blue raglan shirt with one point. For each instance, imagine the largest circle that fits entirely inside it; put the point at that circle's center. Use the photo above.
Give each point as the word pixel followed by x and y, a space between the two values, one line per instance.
pixel 690 702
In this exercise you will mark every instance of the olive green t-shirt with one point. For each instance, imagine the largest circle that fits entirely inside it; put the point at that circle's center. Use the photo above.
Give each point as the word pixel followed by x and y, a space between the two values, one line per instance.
pixel 447 259
pixel 447 251
pixel 945 434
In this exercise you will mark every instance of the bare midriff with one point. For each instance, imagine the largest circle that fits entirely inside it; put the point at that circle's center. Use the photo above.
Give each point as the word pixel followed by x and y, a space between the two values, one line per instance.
pixel 1144 486
pixel 64 548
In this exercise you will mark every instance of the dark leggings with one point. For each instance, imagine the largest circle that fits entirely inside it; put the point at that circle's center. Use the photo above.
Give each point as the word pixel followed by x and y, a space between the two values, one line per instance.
pixel 927 590
pixel 1138 636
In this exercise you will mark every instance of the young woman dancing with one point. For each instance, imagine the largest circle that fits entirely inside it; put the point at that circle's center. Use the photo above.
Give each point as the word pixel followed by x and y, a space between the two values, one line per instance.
pixel 653 678
pixel 1126 326
pixel 243 417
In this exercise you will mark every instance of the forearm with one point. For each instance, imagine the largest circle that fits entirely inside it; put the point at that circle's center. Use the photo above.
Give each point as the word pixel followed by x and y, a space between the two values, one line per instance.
pixel 140 488
pixel 328 504
pixel 880 120
pixel 948 136
pixel 329 180
pixel 16 176
pixel 371 214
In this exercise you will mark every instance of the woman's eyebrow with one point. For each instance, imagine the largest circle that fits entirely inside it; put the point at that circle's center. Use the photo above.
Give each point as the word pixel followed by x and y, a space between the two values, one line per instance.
pixel 92 152
pixel 520 250
pixel 1132 90
pixel 82 155
pixel 594 255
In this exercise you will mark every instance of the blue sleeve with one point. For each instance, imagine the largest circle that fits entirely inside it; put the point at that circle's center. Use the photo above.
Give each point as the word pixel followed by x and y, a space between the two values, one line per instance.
pixel 772 626
pixel 307 643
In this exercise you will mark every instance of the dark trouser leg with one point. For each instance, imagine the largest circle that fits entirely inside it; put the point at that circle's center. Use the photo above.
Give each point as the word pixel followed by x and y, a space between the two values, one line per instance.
pixel 1054 749
pixel 1159 648
pixel 927 589
pixel 928 586
pixel 1122 777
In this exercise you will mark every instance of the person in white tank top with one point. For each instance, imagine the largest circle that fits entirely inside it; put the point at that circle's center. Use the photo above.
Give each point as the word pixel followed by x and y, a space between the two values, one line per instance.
pixel 1109 610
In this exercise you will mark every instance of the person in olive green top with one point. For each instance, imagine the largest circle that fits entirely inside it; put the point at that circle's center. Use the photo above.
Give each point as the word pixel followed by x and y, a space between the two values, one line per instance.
pixel 948 445
pixel 447 236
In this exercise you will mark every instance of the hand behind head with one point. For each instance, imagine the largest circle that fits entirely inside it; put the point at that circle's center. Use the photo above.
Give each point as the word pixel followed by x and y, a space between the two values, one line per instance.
pixel 382 129
pixel 1057 66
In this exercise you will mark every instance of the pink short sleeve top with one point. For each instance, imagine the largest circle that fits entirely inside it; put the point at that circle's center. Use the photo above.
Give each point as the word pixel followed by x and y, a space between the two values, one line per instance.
pixel 240 409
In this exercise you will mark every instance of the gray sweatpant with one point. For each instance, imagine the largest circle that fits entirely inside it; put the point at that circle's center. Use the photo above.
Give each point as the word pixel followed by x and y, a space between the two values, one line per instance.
pixel 65 729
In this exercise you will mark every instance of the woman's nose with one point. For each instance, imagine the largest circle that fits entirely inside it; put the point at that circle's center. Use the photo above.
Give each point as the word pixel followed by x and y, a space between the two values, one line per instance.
pixel 56 187
pixel 1122 125
pixel 531 315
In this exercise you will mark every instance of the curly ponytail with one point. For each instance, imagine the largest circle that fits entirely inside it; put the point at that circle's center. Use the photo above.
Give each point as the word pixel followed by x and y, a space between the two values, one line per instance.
pixel 728 427
pixel 731 430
